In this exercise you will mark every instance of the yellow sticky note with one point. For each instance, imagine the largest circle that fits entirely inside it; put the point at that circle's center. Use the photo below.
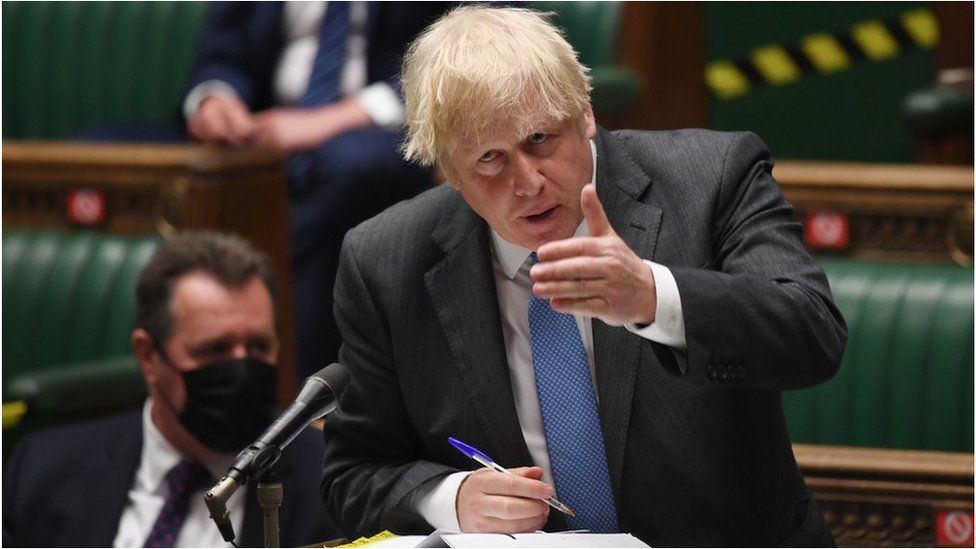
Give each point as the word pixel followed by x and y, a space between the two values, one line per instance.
pixel 363 542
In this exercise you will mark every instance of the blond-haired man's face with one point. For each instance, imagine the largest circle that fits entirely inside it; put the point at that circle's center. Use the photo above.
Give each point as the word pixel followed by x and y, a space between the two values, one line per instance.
pixel 527 187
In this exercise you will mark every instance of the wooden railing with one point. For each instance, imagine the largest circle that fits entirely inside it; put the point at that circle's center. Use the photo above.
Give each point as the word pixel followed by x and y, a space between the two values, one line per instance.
pixel 159 189
pixel 885 212
pixel 880 497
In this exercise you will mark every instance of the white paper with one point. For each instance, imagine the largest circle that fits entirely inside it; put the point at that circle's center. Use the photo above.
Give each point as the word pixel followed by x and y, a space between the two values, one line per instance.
pixel 542 540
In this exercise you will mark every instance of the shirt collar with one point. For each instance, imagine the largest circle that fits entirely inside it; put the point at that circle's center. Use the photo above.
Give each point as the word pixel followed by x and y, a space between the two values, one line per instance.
pixel 512 256
pixel 159 455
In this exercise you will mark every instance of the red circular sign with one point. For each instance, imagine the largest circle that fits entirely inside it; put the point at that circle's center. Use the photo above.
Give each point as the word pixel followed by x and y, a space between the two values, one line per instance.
pixel 958 527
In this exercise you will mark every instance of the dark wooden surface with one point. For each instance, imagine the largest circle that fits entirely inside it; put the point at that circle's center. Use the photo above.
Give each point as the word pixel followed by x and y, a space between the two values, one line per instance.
pixel 673 93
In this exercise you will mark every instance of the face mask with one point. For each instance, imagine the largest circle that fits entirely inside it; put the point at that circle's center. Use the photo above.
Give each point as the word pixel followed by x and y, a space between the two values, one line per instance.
pixel 229 403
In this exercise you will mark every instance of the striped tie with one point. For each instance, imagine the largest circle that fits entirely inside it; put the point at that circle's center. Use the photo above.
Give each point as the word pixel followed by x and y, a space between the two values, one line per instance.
pixel 323 85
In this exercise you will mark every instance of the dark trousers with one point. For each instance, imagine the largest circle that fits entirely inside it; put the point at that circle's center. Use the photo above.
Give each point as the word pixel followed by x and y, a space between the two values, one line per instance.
pixel 346 181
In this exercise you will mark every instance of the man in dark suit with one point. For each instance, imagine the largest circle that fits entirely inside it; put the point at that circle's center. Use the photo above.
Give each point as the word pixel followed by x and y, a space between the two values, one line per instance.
pixel 613 313
pixel 206 344
pixel 318 81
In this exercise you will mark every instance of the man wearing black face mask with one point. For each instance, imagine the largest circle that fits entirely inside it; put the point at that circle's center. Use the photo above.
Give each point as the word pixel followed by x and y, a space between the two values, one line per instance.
pixel 206 343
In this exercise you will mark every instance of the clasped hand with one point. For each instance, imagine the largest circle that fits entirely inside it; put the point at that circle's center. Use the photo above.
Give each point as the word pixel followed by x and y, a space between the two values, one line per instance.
pixel 598 275
pixel 227 120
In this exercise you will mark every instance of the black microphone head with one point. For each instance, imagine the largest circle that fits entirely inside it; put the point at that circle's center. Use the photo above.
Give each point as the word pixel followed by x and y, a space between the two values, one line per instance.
pixel 336 376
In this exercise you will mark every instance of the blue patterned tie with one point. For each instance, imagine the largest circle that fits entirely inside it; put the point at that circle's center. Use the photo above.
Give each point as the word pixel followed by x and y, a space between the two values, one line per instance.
pixel 323 84
pixel 570 418
pixel 184 479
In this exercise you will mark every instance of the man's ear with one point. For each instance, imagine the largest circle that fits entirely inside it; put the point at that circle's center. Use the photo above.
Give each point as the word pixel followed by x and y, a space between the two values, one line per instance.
pixel 144 350
pixel 589 122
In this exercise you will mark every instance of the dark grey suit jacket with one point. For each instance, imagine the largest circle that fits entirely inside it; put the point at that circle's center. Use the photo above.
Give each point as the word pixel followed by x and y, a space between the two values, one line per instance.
pixel 696 442
pixel 68 486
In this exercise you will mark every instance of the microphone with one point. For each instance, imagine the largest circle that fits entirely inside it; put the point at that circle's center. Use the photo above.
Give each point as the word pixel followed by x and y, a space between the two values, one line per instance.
pixel 318 397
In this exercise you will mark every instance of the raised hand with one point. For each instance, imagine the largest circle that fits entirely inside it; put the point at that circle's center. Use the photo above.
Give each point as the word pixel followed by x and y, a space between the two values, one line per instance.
pixel 598 275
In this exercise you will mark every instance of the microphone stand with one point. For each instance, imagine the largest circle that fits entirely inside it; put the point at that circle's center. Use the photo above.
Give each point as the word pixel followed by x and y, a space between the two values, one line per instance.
pixel 270 493
pixel 262 460
pixel 317 397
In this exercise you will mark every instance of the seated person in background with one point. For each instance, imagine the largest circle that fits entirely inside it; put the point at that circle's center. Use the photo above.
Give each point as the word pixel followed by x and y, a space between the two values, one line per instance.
pixel 611 314
pixel 205 340
pixel 317 80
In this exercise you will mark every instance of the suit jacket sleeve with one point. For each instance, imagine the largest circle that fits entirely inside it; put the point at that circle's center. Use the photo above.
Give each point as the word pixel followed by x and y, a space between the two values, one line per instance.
pixel 239 45
pixel 761 313
pixel 374 460
pixel 12 469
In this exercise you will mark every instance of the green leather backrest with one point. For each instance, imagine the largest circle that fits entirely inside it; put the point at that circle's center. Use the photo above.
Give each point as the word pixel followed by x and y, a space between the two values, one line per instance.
pixel 68 66
pixel 906 380
pixel 591 27
pixel 68 297
pixel 72 65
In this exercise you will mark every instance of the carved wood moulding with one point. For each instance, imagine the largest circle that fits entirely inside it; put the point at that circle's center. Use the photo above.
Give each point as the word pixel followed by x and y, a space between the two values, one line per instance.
pixel 878 497
pixel 883 212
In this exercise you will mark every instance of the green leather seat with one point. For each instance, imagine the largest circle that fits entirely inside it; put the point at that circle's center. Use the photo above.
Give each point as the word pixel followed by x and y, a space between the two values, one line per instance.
pixel 906 380
pixel 72 65
pixel 68 313
pixel 593 28
pixel 939 112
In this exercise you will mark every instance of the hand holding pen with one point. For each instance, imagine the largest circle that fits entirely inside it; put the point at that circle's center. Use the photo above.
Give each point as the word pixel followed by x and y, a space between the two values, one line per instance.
pixel 515 502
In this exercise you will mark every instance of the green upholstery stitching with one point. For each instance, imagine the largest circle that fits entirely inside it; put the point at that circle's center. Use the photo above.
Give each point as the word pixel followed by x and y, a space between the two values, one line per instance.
pixel 907 374
pixel 72 65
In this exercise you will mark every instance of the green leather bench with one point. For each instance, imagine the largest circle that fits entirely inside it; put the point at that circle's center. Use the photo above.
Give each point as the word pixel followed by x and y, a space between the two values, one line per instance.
pixel 73 65
pixel 906 380
pixel 593 28
pixel 68 313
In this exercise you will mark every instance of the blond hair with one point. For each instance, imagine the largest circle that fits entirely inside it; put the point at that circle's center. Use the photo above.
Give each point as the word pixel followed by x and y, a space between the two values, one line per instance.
pixel 478 68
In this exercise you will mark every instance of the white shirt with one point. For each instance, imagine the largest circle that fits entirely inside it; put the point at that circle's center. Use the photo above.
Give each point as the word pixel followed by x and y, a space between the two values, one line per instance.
pixel 301 22
pixel 149 490
pixel 511 266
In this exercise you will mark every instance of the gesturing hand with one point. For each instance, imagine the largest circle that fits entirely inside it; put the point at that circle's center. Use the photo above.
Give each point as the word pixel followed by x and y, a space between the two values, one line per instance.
pixel 598 275
pixel 489 501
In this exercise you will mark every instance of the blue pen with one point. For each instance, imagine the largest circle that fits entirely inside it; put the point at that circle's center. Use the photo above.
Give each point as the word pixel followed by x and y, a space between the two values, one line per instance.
pixel 483 459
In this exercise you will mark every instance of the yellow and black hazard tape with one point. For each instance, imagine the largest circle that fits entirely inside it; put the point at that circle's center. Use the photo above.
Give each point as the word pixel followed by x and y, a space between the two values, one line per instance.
pixel 822 53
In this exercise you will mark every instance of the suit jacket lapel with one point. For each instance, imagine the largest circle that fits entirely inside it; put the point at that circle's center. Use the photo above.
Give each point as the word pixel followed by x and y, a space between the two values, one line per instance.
pixel 620 184
pixel 462 289
pixel 109 483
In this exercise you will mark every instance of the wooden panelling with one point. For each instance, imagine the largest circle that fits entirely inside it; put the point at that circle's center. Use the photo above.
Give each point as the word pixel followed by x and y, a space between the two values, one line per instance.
pixel 879 497
pixel 160 189
pixel 894 212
